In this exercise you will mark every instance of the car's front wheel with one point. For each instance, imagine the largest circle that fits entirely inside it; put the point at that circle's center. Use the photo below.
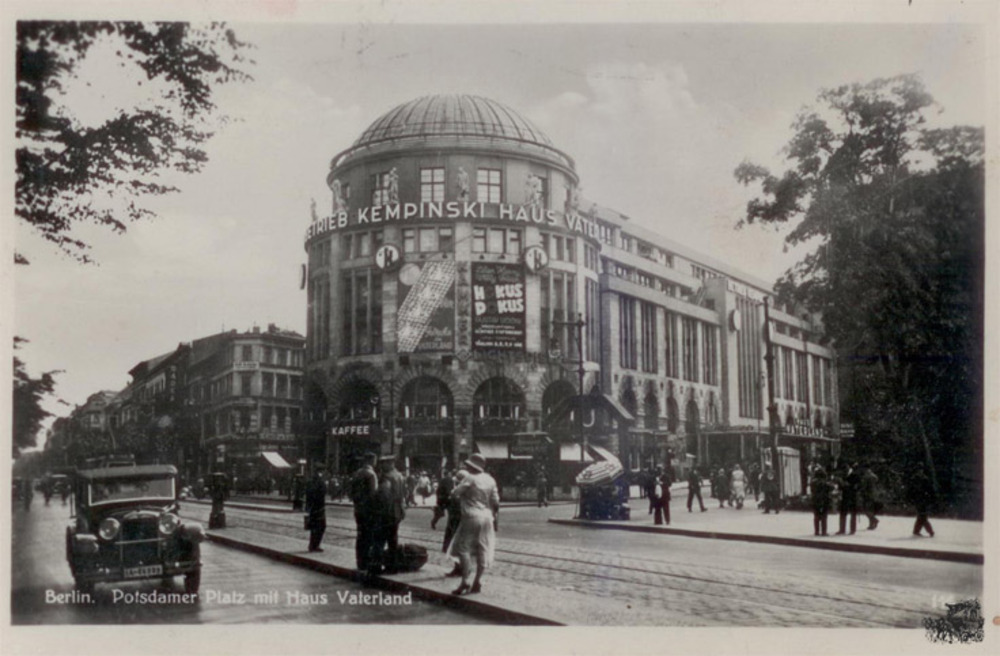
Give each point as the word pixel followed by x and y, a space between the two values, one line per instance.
pixel 192 582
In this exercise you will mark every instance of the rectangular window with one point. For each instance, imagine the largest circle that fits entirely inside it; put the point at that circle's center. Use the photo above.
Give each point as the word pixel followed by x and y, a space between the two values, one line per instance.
pixel 802 383
pixel 479 240
pixel 247 353
pixel 570 249
pixel 362 320
pixel 446 239
pixel 670 340
pixel 788 374
pixel 488 188
pixel 282 387
pixel 513 246
pixel 827 382
pixel 409 240
pixel 267 355
pixel 428 240
pixel 626 340
pixel 749 359
pixel 497 240
pixel 689 345
pixel 246 380
pixel 380 188
pixel 817 376
pixel 432 185
pixel 648 316
pixel 347 246
pixel 267 384
pixel 363 243
pixel 709 361
pixel 593 328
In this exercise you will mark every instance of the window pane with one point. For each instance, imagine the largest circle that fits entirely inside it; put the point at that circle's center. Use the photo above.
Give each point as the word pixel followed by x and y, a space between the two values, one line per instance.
pixel 479 240
pixel 513 242
pixel 365 245
pixel 446 239
pixel 409 240
pixel 496 244
pixel 427 240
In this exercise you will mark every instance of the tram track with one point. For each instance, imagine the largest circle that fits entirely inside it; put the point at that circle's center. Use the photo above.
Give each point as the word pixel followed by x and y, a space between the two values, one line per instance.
pixel 659 581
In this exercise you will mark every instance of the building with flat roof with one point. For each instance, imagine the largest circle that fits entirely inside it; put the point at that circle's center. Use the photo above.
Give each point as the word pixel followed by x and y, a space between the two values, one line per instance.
pixel 463 298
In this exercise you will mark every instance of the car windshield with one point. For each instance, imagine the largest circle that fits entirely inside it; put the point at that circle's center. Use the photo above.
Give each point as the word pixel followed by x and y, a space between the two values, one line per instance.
pixel 131 489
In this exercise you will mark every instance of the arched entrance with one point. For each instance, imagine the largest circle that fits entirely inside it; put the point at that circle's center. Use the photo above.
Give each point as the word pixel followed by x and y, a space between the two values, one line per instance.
pixel 425 419
pixel 354 425
pixel 499 411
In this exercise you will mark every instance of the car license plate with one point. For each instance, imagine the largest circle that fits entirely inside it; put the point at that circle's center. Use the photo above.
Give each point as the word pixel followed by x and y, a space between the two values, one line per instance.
pixel 139 572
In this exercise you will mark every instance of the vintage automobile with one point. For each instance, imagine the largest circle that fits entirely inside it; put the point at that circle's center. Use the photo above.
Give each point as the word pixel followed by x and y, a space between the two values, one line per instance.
pixel 126 528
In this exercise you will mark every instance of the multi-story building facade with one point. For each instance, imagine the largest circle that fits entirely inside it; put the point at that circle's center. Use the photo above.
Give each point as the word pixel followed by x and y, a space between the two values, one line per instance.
pixel 458 275
pixel 246 391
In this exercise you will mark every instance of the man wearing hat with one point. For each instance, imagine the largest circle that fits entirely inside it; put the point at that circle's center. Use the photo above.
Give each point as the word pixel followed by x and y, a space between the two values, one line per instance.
pixel 316 508
pixel 391 510
pixel 363 491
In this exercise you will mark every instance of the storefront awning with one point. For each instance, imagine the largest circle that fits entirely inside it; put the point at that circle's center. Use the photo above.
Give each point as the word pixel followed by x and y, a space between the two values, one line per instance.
pixel 571 453
pixel 606 455
pixel 603 402
pixel 275 460
pixel 492 450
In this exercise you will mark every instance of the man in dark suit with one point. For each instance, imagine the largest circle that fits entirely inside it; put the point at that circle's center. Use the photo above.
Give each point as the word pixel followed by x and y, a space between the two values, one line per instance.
pixel 363 492
pixel 316 509
pixel 390 511
pixel 850 482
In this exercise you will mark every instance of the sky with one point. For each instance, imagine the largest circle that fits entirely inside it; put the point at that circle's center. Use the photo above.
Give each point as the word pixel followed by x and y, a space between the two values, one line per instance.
pixel 657 115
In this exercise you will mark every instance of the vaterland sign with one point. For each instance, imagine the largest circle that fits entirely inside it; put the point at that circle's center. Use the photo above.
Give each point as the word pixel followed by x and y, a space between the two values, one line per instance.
pixel 498 319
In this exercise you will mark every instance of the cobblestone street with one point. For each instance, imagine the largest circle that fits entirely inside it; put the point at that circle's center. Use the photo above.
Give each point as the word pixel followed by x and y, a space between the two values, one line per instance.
pixel 669 587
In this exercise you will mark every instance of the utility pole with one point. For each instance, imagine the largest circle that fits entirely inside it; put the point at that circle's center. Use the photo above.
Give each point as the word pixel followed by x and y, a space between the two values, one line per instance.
pixel 772 408
pixel 578 325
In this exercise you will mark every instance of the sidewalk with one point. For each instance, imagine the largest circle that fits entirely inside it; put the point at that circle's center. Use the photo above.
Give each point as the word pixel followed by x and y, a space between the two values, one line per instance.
pixel 502 601
pixel 280 503
pixel 954 540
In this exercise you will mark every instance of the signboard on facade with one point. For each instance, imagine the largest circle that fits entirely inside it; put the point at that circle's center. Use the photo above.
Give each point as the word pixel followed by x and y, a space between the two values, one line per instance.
pixel 245 366
pixel 498 308
pixel 426 318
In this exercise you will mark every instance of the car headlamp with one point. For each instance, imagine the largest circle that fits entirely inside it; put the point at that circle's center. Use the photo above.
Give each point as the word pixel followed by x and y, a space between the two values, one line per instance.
pixel 108 529
pixel 168 523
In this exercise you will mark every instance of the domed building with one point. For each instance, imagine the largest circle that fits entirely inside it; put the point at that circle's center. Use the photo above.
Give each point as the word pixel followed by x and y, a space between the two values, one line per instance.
pixel 456 280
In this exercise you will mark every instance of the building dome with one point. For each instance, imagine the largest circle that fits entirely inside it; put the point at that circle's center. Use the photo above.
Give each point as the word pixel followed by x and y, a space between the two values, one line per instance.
pixel 452 116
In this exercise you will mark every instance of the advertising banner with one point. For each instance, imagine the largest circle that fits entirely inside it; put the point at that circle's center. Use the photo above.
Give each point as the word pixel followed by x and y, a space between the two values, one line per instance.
pixel 426 318
pixel 498 318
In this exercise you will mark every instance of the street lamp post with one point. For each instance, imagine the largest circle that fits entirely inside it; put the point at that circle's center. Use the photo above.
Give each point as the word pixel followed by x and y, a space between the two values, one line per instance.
pixel 578 326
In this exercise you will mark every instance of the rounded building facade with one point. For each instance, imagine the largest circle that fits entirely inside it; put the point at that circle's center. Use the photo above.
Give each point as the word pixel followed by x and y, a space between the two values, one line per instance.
pixel 442 285
pixel 460 297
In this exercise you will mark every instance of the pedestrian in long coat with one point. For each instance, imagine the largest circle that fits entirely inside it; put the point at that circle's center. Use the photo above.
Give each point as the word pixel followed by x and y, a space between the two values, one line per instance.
pixel 315 507
pixel 737 486
pixel 868 496
pixel 363 490
pixel 475 538
pixel 821 498
pixel 661 494
pixel 920 491
pixel 850 482
pixel 770 487
pixel 722 487
pixel 390 510
pixel 694 489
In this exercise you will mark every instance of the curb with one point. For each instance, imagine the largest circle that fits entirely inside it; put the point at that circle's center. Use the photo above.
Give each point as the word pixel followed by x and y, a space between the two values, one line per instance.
pixel 462 604
pixel 244 506
pixel 950 556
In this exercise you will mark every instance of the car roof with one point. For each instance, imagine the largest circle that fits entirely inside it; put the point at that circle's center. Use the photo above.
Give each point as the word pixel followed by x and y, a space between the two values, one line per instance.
pixel 133 471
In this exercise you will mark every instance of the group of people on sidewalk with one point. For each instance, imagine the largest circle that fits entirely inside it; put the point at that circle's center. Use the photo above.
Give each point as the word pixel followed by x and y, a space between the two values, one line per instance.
pixel 849 490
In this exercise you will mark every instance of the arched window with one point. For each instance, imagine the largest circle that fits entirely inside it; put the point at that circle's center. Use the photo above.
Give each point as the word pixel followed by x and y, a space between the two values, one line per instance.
pixel 628 401
pixel 425 398
pixel 818 422
pixel 673 415
pixel 498 398
pixel 691 418
pixel 651 409
pixel 359 401
pixel 790 417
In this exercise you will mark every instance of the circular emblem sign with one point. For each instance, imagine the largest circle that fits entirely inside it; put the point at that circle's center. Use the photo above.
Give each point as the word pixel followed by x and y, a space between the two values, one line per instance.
pixel 388 257
pixel 409 274
pixel 535 258
pixel 735 320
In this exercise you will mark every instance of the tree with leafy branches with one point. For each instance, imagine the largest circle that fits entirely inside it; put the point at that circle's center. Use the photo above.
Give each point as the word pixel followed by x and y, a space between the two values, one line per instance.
pixel 70 172
pixel 894 212
pixel 27 409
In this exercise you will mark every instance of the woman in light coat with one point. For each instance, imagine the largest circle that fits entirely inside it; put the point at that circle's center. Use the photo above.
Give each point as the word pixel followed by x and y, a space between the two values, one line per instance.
pixel 476 535
pixel 737 486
